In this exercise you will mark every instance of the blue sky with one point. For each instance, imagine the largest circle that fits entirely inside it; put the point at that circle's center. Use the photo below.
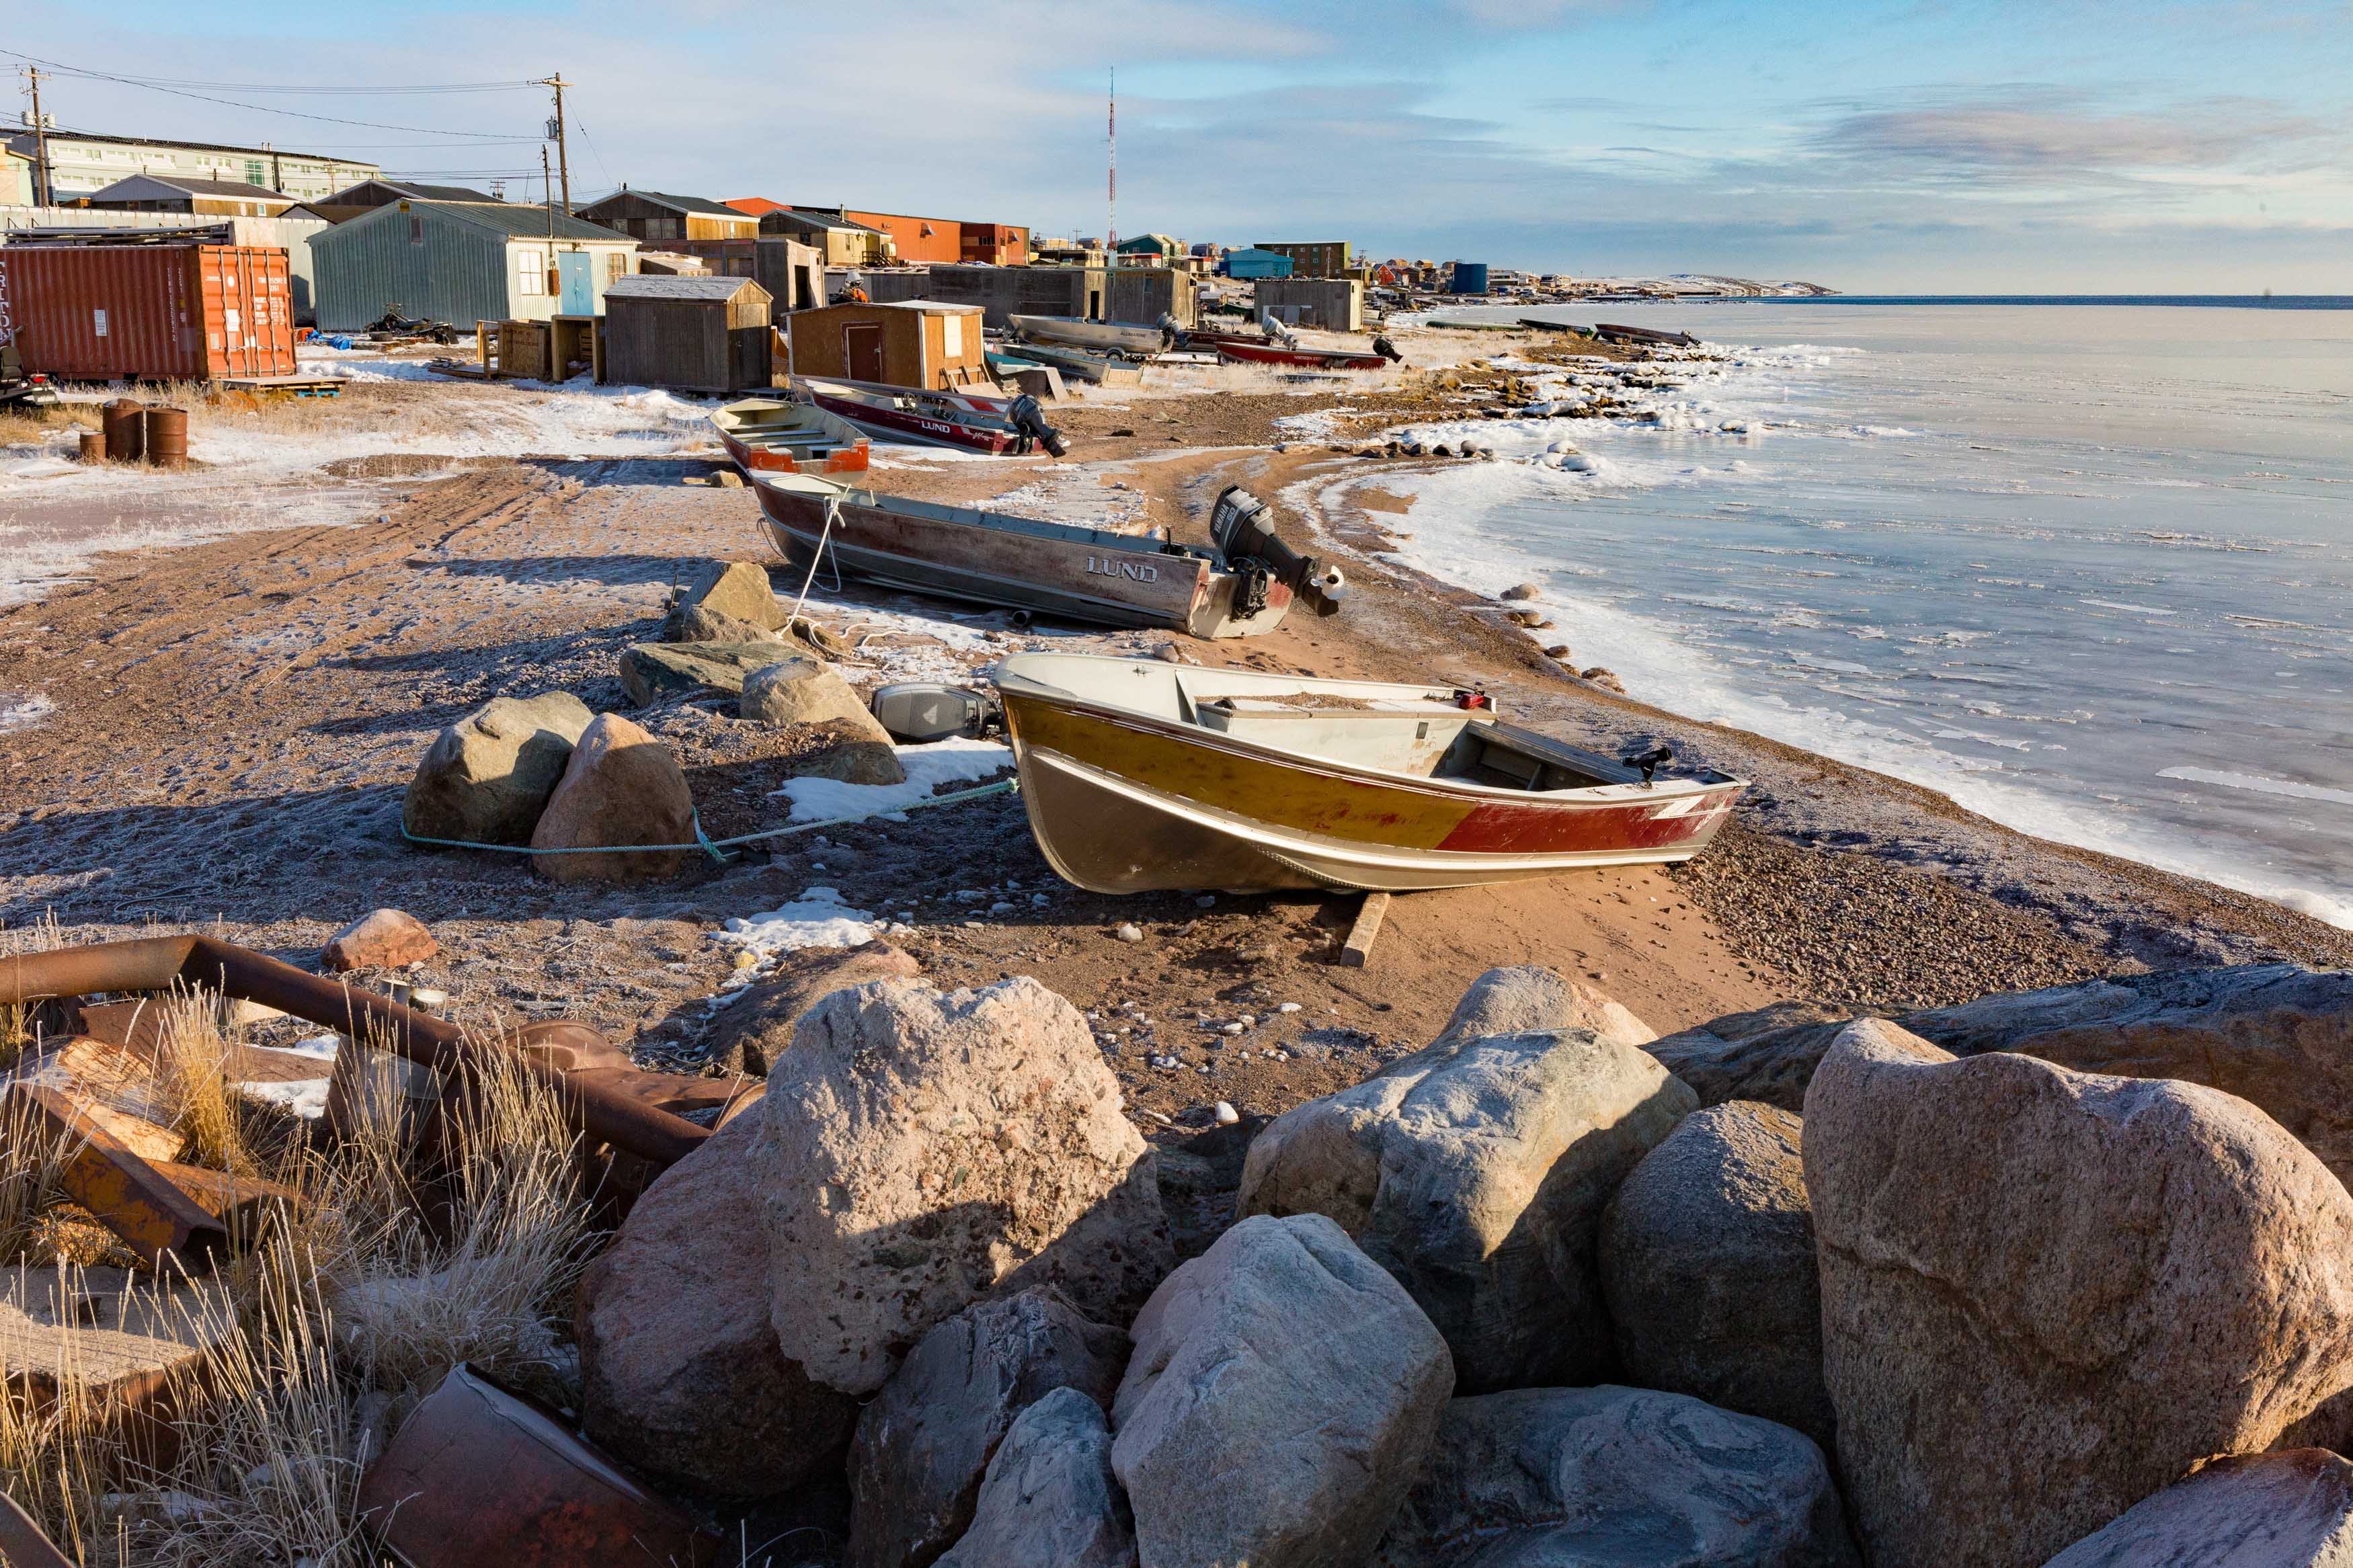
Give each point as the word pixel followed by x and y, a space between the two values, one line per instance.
pixel 1987 148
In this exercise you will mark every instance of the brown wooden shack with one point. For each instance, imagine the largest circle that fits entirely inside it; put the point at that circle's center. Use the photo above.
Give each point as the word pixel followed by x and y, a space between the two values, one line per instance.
pixel 696 334
pixel 908 342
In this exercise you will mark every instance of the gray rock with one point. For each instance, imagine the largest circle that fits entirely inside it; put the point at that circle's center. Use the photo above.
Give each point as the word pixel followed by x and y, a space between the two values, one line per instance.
pixel 1616 1478
pixel 1475 1171
pixel 1282 1397
pixel 924 1441
pixel 1050 1500
pixel 2291 1510
pixel 680 1375
pixel 1520 592
pixel 2047 1293
pixel 652 670
pixel 486 778
pixel 756 1025
pixel 927 1148
pixel 2279 1035
pixel 842 748
pixel 735 588
pixel 1707 1260
pixel 802 690
pixel 1527 999
pixel 700 623
pixel 622 787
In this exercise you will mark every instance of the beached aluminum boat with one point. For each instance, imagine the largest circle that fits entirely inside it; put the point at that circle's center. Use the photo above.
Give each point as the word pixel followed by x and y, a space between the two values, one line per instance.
pixel 778 437
pixel 1104 337
pixel 1241 588
pixel 1644 335
pixel 968 421
pixel 1141 776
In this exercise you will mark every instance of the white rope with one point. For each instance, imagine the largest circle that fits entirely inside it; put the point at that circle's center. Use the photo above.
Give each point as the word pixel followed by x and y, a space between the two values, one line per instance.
pixel 832 515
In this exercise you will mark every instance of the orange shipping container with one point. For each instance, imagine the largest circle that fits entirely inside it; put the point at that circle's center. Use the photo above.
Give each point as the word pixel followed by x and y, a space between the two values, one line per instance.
pixel 149 312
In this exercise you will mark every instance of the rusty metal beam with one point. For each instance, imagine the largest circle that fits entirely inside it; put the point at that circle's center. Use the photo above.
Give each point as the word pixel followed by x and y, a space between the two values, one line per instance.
pixel 136 1201
pixel 156 963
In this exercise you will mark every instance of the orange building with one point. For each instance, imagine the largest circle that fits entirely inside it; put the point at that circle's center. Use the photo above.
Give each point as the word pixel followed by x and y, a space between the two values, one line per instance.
pixel 918 241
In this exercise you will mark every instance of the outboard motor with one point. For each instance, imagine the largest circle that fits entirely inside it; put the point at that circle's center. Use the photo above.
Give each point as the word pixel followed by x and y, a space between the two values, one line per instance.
pixel 1388 351
pixel 1172 330
pixel 1649 761
pixel 1242 527
pixel 1277 331
pixel 1026 416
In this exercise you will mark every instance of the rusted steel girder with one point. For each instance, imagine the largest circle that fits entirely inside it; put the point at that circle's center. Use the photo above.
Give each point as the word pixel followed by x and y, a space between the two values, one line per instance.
pixel 137 1202
pixel 157 964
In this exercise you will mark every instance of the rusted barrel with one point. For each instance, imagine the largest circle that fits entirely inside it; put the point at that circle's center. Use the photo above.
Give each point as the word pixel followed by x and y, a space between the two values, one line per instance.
pixel 167 437
pixel 93 446
pixel 124 439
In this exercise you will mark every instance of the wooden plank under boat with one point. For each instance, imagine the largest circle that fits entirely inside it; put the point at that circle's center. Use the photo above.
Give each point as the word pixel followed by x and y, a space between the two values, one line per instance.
pixel 779 435
pixel 1104 337
pixel 1241 588
pixel 967 421
pixel 1142 777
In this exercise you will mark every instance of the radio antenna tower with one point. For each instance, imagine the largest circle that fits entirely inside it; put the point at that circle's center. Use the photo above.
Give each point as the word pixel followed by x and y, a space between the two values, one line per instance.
pixel 1112 244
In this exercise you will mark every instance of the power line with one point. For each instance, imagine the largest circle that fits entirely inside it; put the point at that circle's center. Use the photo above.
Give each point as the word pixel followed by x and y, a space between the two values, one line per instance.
pixel 338 89
pixel 232 103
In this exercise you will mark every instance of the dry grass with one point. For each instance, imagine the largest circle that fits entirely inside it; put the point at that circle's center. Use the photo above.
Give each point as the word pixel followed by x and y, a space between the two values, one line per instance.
pixel 422 1240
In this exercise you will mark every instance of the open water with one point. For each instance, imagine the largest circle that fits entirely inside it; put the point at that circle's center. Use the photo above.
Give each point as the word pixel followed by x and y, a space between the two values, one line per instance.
pixel 2086 568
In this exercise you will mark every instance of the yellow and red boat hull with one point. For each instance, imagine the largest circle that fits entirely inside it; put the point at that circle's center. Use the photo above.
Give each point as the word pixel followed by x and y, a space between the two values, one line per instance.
pixel 1123 801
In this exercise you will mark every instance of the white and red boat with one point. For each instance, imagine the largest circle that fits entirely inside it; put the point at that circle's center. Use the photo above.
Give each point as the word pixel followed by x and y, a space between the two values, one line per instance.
pixel 967 421
pixel 1260 351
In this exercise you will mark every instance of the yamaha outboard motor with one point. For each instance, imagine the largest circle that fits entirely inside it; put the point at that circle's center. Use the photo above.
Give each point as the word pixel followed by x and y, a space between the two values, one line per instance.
pixel 1243 530
pixel 1026 416
pixel 1276 331
pixel 1388 351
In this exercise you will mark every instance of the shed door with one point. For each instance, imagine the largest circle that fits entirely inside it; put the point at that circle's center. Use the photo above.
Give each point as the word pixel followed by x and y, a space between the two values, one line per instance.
pixel 577 294
pixel 861 350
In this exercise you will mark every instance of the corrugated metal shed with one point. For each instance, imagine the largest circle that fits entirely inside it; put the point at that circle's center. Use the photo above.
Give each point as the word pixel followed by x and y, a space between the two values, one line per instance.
pixel 448 261
pixel 648 285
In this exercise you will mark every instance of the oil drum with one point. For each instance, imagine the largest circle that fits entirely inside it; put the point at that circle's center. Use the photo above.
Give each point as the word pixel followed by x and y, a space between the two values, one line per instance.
pixel 167 437
pixel 124 440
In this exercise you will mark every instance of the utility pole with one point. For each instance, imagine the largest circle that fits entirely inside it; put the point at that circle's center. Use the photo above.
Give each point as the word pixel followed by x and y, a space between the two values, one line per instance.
pixel 1111 241
pixel 547 199
pixel 555 135
pixel 43 194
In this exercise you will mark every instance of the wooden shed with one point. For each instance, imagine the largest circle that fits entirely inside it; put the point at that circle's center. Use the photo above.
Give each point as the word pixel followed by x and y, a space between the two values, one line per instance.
pixel 909 342
pixel 696 334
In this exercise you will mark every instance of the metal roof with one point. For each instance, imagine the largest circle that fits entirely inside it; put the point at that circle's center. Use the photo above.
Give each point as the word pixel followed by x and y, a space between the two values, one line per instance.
pixel 411 188
pixel 683 204
pixel 234 190
pixel 59 135
pixel 821 220
pixel 653 286
pixel 517 221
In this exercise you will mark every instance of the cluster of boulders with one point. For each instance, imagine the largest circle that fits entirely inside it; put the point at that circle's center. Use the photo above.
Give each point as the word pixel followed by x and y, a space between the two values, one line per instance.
pixel 1550 1290
pixel 598 796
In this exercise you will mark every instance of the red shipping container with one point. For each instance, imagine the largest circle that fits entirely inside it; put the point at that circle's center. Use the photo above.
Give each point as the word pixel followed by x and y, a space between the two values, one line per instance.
pixel 149 312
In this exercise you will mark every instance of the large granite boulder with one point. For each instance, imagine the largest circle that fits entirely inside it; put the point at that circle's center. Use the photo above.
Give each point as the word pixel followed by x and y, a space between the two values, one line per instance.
pixel 621 787
pixel 842 749
pixel 755 1026
pixel 1616 1478
pixel 1707 1261
pixel 487 777
pixel 737 589
pixel 652 670
pixel 800 691
pixel 1281 1398
pixel 927 1148
pixel 2292 1509
pixel 2279 1035
pixel 924 1442
pixel 2047 1293
pixel 1527 999
pixel 1050 1500
pixel 1475 1171
pixel 680 1371
pixel 700 623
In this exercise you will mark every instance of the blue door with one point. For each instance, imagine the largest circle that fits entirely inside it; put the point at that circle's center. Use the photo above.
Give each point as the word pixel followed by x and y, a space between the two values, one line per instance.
pixel 575 296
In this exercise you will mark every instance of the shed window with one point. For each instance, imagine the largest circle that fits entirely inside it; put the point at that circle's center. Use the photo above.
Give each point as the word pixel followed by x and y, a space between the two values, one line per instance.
pixel 531 272
pixel 415 230
pixel 617 263
pixel 951 327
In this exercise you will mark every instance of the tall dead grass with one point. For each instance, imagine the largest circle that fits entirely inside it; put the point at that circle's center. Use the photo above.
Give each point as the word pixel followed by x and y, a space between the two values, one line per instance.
pixel 427 1234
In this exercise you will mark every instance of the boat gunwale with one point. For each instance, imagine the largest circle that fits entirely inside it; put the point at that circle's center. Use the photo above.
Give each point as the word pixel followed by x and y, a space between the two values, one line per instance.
pixel 1008 523
pixel 1586 796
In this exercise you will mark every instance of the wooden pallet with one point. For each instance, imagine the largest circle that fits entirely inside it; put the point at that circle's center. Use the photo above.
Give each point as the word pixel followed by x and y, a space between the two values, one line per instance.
pixel 285 385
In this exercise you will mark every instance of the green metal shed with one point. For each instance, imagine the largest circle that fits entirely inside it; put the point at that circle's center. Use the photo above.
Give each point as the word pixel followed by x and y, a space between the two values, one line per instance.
pixel 463 262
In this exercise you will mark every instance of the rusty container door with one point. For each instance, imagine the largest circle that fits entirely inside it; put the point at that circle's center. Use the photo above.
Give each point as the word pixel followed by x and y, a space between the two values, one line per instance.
pixel 148 312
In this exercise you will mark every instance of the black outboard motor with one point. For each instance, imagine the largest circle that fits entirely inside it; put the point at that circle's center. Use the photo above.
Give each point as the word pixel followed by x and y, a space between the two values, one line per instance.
pixel 1649 761
pixel 1024 416
pixel 1172 330
pixel 1388 351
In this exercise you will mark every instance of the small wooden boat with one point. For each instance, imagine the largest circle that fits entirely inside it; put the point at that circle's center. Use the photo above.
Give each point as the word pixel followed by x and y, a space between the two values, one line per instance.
pixel 1644 335
pixel 1265 353
pixel 789 437
pixel 1141 776
pixel 1104 337
pixel 1241 588
pixel 968 421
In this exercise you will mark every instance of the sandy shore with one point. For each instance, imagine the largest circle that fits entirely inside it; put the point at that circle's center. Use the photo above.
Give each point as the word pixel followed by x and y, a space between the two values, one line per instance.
pixel 230 725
